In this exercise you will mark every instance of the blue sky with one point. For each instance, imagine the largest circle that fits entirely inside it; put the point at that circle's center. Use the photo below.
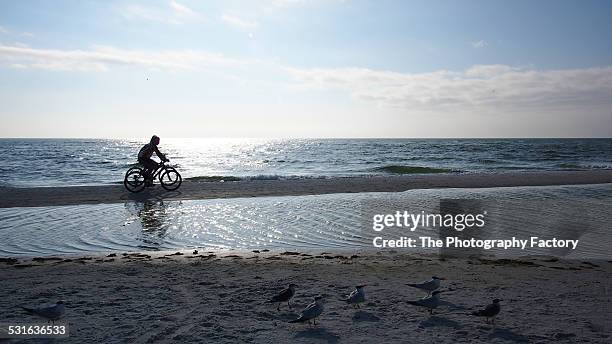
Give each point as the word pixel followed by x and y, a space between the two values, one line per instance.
pixel 291 68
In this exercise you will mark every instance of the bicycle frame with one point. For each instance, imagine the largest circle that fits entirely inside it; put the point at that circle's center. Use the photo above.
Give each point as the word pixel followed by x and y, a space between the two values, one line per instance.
pixel 160 167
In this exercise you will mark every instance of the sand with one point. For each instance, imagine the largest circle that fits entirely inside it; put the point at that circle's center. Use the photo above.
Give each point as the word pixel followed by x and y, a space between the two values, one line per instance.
pixel 207 297
pixel 214 297
pixel 52 196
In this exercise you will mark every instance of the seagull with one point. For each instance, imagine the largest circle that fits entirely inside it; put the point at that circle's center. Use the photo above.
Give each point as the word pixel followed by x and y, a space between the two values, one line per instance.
pixel 428 286
pixel 430 302
pixel 51 313
pixel 490 311
pixel 311 312
pixel 356 297
pixel 284 295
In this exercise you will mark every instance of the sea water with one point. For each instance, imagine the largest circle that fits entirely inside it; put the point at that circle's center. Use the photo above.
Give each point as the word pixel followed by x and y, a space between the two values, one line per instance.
pixel 56 162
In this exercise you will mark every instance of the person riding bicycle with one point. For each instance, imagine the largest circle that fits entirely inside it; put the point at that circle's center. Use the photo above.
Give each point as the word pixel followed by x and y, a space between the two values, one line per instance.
pixel 144 157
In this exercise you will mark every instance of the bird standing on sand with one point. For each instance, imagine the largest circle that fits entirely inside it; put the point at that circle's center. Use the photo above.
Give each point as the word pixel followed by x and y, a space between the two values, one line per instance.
pixel 490 311
pixel 430 302
pixel 428 286
pixel 51 313
pixel 284 296
pixel 311 312
pixel 356 297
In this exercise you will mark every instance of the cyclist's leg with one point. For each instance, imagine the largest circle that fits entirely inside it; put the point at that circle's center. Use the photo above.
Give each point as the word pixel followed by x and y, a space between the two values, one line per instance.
pixel 153 167
pixel 144 166
pixel 149 168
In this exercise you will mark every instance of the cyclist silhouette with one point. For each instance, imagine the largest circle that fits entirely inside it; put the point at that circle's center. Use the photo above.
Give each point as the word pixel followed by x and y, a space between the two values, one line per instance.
pixel 144 157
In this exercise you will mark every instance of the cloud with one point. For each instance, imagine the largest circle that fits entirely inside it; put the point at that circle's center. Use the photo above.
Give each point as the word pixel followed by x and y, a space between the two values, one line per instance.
pixel 286 3
pixel 489 71
pixel 172 13
pixel 102 58
pixel 239 22
pixel 478 85
pixel 479 44
pixel 182 10
pixel 5 31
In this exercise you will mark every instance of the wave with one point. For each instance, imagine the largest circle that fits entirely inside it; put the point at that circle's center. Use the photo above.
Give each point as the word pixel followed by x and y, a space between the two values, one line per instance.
pixel 213 179
pixel 393 169
pixel 570 166
pixel 255 177
pixel 400 169
pixel 599 166
pixel 486 161
pixel 593 166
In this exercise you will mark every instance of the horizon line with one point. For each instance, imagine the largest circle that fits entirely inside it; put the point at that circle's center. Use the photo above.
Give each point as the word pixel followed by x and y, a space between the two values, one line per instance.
pixel 321 138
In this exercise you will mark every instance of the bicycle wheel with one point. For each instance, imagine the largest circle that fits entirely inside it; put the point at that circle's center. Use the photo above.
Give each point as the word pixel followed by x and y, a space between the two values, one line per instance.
pixel 170 179
pixel 134 180
pixel 134 167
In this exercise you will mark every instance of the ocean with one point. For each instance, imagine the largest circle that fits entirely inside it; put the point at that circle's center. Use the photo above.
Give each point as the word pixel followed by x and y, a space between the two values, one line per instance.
pixel 62 162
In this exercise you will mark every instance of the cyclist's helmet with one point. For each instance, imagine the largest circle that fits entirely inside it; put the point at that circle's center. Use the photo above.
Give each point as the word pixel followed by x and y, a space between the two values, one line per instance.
pixel 155 140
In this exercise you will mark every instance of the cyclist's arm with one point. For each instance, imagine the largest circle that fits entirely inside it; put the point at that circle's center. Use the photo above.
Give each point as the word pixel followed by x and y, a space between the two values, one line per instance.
pixel 159 154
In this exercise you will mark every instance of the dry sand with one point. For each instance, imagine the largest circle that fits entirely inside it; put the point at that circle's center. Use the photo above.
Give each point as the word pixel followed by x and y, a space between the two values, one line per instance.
pixel 203 297
pixel 51 196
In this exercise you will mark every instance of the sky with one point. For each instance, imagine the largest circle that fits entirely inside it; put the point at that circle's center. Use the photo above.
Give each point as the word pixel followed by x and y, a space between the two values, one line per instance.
pixel 305 68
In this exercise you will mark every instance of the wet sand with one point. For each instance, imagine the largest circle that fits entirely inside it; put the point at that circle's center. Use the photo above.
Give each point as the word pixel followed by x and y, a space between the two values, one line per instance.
pixel 54 196
pixel 207 297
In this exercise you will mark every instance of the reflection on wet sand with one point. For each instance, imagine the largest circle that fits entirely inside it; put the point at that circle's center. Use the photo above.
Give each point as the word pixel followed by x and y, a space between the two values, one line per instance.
pixel 153 215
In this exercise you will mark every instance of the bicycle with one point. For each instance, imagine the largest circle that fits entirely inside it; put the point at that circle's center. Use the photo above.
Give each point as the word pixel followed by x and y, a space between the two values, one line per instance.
pixel 169 178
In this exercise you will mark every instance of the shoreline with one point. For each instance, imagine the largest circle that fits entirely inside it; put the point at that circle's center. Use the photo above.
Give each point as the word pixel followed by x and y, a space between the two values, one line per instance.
pixel 190 190
pixel 186 255
pixel 223 298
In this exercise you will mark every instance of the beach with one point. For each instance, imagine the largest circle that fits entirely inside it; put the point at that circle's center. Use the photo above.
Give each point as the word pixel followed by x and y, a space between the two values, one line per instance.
pixel 291 171
pixel 158 295
pixel 203 297
pixel 70 195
